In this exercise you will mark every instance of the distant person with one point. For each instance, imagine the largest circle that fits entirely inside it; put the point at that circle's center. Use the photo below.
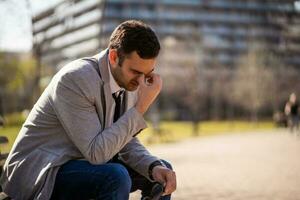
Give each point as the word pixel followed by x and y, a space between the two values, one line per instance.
pixel 79 140
pixel 292 112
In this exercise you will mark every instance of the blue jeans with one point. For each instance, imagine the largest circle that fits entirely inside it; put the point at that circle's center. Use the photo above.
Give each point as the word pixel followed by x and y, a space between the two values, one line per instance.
pixel 78 179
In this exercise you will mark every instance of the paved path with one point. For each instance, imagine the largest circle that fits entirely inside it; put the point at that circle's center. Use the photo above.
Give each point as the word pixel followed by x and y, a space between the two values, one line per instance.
pixel 254 166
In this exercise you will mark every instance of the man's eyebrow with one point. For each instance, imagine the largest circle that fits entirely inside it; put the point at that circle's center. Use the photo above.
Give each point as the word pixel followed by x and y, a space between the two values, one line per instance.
pixel 142 72
pixel 136 71
pixel 149 72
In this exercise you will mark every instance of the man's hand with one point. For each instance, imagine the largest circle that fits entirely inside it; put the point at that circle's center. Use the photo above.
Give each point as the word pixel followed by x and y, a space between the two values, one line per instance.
pixel 148 91
pixel 165 176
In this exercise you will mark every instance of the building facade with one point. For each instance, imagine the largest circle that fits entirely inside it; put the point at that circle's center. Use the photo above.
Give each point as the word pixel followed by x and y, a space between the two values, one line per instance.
pixel 208 35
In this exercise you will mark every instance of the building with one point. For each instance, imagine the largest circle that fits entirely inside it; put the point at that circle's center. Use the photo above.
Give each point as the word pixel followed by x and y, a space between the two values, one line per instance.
pixel 224 28
pixel 216 32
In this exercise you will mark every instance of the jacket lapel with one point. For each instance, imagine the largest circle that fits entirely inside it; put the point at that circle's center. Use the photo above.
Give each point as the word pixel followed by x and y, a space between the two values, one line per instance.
pixel 103 67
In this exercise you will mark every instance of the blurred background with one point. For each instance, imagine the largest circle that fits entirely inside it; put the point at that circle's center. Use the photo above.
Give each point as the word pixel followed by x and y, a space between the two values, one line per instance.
pixel 221 60
pixel 228 66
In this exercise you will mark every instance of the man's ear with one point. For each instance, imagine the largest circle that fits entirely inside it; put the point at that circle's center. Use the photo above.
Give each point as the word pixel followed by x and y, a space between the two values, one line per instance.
pixel 113 57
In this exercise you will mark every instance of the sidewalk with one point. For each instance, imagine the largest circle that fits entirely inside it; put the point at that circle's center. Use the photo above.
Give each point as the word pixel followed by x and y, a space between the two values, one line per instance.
pixel 254 166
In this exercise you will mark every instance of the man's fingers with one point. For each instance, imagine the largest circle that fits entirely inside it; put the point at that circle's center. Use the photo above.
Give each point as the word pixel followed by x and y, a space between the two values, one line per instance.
pixel 149 79
pixel 156 77
pixel 141 80
pixel 157 81
pixel 147 93
pixel 170 183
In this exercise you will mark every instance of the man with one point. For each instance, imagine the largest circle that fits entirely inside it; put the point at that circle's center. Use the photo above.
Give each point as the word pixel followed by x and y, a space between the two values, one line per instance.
pixel 292 112
pixel 79 141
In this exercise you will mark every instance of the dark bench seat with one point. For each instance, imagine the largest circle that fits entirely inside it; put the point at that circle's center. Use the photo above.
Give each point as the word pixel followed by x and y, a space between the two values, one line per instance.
pixel 3 156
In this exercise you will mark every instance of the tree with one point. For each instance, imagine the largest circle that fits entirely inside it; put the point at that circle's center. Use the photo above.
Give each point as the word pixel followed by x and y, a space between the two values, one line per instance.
pixel 16 82
pixel 184 80
pixel 253 83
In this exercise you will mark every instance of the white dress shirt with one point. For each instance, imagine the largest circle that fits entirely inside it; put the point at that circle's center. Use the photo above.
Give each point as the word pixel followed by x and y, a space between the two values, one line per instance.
pixel 115 88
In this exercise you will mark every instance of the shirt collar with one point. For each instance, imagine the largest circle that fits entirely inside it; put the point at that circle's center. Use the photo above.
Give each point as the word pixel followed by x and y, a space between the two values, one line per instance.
pixel 115 88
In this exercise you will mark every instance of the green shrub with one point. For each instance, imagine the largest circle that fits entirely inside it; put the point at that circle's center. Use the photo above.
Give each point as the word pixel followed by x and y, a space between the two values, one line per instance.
pixel 14 119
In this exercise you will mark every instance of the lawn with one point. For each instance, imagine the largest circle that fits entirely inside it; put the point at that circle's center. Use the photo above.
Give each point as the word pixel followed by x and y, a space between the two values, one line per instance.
pixel 175 131
pixel 172 131
pixel 11 133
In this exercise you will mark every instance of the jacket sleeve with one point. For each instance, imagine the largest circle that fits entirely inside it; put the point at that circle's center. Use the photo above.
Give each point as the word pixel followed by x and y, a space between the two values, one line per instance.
pixel 136 156
pixel 72 97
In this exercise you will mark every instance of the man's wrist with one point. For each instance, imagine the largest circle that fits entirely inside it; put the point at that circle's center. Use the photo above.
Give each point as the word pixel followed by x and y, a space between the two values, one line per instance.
pixel 140 109
pixel 154 164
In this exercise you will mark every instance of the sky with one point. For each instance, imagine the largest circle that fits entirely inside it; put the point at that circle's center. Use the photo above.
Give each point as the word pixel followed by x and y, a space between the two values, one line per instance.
pixel 15 23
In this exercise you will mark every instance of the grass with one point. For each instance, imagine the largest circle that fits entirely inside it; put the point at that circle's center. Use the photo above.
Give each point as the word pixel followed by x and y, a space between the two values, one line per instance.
pixel 176 131
pixel 171 131
pixel 11 133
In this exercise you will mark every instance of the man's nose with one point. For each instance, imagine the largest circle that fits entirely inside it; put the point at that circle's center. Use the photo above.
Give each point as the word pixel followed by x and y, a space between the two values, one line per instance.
pixel 138 76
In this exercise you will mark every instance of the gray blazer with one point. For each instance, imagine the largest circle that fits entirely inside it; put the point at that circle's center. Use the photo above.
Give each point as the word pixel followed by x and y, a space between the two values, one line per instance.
pixel 71 120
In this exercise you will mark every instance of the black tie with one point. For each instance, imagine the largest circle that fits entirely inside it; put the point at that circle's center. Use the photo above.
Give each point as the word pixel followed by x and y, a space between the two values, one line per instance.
pixel 118 109
pixel 117 114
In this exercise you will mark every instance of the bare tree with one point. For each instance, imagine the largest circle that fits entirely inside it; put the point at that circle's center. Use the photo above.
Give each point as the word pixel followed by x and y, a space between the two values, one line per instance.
pixel 253 84
pixel 183 77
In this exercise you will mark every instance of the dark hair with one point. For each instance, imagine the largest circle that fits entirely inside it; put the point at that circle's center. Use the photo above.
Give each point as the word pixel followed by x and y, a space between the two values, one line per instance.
pixel 136 36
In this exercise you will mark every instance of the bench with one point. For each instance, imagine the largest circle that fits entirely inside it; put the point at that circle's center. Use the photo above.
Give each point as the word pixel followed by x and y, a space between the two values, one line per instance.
pixel 3 156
